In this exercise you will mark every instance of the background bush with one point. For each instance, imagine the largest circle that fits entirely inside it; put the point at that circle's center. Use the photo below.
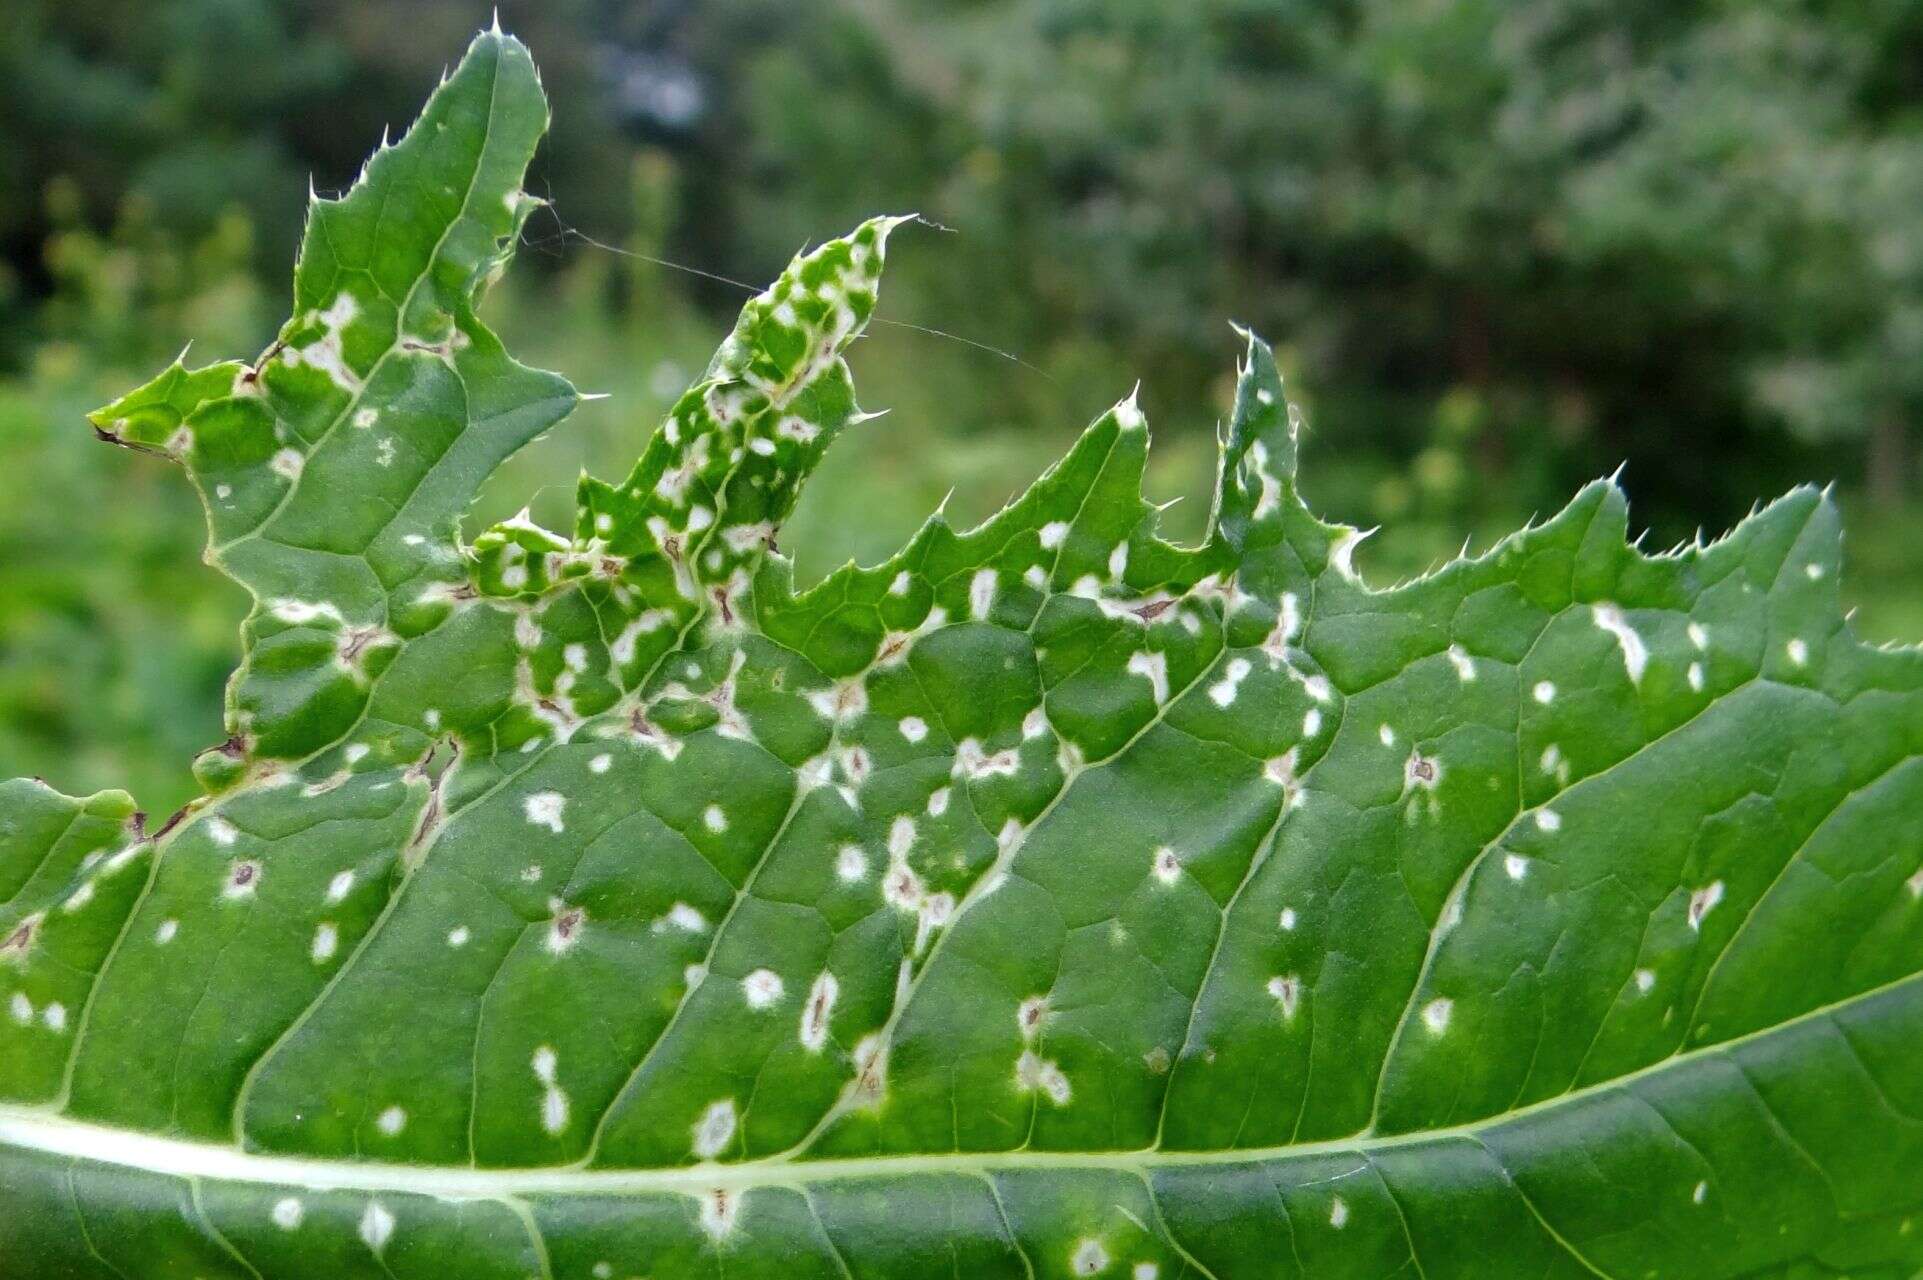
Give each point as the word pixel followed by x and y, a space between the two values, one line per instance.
pixel 1501 249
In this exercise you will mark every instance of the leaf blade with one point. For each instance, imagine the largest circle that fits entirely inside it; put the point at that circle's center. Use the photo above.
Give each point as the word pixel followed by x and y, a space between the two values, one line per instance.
pixel 1049 896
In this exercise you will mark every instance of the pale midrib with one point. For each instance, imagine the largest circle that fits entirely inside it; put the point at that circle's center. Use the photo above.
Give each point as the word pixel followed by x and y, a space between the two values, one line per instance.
pixel 29 1129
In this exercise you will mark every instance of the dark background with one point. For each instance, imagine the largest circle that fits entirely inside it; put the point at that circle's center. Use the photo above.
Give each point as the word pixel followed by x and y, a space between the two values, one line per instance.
pixel 1501 249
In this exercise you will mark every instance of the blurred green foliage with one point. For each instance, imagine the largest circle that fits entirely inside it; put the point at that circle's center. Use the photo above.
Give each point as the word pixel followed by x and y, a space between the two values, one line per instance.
pixel 1501 249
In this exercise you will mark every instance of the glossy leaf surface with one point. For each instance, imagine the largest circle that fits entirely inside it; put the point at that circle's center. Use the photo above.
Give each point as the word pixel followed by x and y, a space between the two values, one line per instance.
pixel 1050 900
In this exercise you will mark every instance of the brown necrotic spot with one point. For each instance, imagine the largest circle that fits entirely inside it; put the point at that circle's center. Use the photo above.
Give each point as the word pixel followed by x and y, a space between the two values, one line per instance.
pixel 903 886
pixel 355 642
pixel 252 373
pixel 17 942
pixel 871 1070
pixel 855 764
pixel 814 1017
pixel 243 878
pixel 1287 992
pixel 174 819
pixel 719 1209
pixel 565 928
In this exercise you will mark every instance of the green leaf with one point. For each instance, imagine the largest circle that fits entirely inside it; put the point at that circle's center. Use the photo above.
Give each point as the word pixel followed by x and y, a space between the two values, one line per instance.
pixel 1050 900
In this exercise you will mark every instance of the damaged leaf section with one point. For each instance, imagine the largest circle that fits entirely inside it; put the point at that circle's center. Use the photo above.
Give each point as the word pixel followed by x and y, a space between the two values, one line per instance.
pixel 335 467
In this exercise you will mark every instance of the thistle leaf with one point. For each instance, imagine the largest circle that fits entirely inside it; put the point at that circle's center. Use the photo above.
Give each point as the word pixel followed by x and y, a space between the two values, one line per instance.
pixel 1048 900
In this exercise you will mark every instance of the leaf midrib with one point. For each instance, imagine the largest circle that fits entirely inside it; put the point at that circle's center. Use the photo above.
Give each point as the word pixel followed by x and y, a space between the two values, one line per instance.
pixel 46 1132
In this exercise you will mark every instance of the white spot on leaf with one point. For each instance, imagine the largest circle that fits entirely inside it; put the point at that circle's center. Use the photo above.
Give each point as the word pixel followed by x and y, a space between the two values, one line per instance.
pixel 1222 693
pixel 851 864
pixel 554 1103
pixel 1029 1015
pixel 1610 618
pixel 377 1226
pixel 719 1209
pixel 543 809
pixel 565 924
pixel 1286 989
pixel 714 1130
pixel 1034 1073
pixel 1090 1258
pixel 762 989
pixel 901 836
pixel 1152 667
pixel 1703 901
pixel 981 594
pixel 1166 866
pixel 816 1012
pixel 1465 665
